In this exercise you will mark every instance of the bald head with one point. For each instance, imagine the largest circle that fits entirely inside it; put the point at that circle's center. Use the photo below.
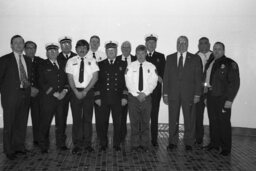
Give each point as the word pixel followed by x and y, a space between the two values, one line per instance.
pixel 126 48
pixel 182 44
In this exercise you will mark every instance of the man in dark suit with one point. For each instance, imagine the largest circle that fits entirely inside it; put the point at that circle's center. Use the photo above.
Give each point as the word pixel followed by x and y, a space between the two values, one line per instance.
pixel 111 95
pixel 53 87
pixel 126 57
pixel 15 97
pixel 30 51
pixel 158 60
pixel 65 54
pixel 182 88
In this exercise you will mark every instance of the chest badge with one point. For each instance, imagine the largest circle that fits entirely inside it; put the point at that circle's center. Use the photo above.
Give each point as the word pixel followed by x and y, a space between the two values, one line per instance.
pixel 148 71
pixel 120 68
pixel 223 66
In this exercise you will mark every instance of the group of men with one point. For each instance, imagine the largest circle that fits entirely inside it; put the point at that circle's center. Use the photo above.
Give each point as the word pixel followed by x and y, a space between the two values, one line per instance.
pixel 106 83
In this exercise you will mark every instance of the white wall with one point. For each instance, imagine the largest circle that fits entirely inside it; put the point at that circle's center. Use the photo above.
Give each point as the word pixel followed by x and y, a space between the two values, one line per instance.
pixel 229 21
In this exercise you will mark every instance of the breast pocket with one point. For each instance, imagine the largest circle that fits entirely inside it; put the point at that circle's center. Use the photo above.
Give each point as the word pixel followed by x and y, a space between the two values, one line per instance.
pixel 222 73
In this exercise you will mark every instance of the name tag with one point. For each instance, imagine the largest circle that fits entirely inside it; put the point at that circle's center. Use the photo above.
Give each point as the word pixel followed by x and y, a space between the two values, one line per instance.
pixel 75 63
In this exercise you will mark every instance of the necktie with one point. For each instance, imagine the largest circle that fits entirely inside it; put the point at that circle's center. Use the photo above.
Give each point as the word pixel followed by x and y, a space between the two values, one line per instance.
pixel 81 71
pixel 23 75
pixel 66 56
pixel 125 58
pixel 180 66
pixel 141 78
pixel 93 55
pixel 111 62
pixel 150 54
pixel 55 66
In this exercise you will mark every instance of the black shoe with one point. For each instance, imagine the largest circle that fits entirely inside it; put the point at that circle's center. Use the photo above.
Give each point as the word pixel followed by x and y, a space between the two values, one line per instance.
pixel 103 148
pixel 63 148
pixel 44 151
pixel 76 150
pixel 155 144
pixel 225 153
pixel 171 146
pixel 89 149
pixel 11 156
pixel 188 148
pixel 117 148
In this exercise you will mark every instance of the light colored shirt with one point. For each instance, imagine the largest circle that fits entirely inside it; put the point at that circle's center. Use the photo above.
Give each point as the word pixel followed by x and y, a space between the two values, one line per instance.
pixel 73 67
pixel 204 58
pixel 208 74
pixel 150 78
pixel 113 61
pixel 17 57
pixel 100 55
pixel 129 59
pixel 184 54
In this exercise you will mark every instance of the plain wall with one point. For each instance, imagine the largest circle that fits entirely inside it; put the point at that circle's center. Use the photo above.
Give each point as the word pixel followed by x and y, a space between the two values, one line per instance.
pixel 230 21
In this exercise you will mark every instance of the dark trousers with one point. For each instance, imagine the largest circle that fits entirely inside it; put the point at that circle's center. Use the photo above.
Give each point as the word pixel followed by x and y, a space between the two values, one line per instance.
pixel 188 109
pixel 139 113
pixel 82 111
pixel 156 97
pixel 51 106
pixel 124 123
pixel 220 125
pixel 200 106
pixel 103 122
pixel 66 101
pixel 15 116
pixel 35 110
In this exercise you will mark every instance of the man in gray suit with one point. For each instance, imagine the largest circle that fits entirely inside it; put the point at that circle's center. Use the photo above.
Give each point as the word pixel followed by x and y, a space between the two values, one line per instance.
pixel 182 88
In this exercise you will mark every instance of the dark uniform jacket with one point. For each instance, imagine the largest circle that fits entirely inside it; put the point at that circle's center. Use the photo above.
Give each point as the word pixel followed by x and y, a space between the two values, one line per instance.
pixel 35 70
pixel 110 87
pixel 225 80
pixel 158 60
pixel 62 58
pixel 9 76
pixel 51 77
pixel 133 58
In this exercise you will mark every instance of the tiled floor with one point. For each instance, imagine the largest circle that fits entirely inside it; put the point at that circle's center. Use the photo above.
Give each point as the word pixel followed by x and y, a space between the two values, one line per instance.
pixel 243 157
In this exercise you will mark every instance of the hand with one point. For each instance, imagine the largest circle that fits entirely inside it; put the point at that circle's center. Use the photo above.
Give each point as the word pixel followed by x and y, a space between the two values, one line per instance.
pixel 78 94
pixel 49 90
pixel 196 99
pixel 34 91
pixel 62 94
pixel 228 104
pixel 56 94
pixel 98 102
pixel 141 97
pixel 160 80
pixel 165 99
pixel 124 102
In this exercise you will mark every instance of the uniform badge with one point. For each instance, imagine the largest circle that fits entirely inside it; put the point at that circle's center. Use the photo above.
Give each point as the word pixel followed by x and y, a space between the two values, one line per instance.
pixel 120 68
pixel 148 71
pixel 222 66
pixel 89 63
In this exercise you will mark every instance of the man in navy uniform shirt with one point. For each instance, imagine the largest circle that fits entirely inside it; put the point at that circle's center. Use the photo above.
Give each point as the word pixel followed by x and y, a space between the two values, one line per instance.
pixel 30 51
pixel 53 87
pixel 224 81
pixel 111 95
pixel 158 60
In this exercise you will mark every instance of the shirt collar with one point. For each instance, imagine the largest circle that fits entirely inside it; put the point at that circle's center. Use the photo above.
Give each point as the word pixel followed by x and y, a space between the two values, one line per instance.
pixel 151 53
pixel 128 57
pixel 184 54
pixel 66 54
pixel 112 60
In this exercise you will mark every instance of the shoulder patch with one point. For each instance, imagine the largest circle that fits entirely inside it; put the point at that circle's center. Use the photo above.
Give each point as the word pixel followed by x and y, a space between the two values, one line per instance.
pixel 234 65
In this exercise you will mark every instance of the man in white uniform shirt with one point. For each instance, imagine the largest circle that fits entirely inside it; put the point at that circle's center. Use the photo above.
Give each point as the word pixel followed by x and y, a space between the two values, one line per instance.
pixel 205 54
pixel 82 75
pixel 94 52
pixel 141 79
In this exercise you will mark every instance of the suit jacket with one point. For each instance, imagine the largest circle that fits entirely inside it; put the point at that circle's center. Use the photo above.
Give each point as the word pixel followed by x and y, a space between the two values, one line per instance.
pixel 34 70
pixel 63 59
pixel 50 77
pixel 158 60
pixel 188 84
pixel 9 77
pixel 110 87
pixel 133 58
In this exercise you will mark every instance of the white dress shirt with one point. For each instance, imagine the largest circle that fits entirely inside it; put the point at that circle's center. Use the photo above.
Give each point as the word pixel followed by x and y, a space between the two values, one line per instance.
pixel 184 54
pixel 17 57
pixel 73 67
pixel 150 78
pixel 204 57
pixel 100 55
pixel 129 59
